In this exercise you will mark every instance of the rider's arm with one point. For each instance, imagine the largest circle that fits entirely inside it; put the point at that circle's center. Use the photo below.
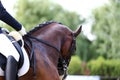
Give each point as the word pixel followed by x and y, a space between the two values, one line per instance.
pixel 8 19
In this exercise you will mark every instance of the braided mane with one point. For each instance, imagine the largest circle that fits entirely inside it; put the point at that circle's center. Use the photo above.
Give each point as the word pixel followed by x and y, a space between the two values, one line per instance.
pixel 42 25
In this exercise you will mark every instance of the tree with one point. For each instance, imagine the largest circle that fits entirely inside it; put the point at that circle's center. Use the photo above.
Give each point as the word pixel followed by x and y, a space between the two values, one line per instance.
pixel 32 12
pixel 106 28
pixel 85 49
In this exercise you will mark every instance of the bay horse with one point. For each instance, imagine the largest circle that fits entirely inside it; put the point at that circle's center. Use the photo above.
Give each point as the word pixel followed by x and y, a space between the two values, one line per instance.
pixel 49 46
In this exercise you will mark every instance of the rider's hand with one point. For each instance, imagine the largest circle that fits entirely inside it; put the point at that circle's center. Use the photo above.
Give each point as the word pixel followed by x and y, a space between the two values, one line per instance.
pixel 22 31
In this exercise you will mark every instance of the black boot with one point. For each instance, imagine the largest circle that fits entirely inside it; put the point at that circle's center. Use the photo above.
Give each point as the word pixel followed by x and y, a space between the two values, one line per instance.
pixel 11 69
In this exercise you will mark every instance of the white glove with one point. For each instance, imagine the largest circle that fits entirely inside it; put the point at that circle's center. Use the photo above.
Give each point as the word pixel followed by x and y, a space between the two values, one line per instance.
pixel 22 31
pixel 17 36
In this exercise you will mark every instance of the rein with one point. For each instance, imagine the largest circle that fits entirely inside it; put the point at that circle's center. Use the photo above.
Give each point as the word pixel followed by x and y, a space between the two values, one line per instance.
pixel 44 42
pixel 32 55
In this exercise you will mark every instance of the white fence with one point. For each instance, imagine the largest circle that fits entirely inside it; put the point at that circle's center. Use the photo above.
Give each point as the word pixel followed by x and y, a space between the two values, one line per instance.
pixel 75 77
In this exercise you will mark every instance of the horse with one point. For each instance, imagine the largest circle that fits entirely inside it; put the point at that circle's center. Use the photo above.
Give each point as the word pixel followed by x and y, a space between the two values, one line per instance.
pixel 49 46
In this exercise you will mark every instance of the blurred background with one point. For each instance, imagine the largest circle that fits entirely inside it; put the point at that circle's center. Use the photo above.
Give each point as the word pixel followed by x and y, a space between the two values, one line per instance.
pixel 98 46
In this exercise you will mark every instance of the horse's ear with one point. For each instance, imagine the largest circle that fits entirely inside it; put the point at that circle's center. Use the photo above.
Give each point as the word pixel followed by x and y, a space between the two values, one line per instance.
pixel 78 30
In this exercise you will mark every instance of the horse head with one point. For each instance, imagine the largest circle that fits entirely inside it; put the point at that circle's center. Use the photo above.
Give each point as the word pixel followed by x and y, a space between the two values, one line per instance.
pixel 69 45
pixel 56 43
pixel 67 50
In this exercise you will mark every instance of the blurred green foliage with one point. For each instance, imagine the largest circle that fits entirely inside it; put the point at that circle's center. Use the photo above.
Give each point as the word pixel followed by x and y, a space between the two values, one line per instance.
pixel 99 66
pixel 104 67
pixel 74 67
pixel 33 12
pixel 85 50
pixel 106 46
pixel 106 28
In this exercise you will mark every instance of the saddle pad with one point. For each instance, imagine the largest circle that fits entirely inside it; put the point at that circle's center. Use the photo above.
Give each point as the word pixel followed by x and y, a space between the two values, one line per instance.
pixel 7 48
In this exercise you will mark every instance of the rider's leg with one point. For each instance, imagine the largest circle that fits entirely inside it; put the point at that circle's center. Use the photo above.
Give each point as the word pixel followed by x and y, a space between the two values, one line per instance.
pixel 11 69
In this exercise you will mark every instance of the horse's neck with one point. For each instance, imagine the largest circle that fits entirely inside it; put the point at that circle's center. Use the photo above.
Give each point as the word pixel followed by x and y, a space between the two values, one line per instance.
pixel 54 40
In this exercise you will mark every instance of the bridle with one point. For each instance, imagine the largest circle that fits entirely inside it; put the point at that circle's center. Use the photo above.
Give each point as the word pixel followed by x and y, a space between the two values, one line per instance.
pixel 62 62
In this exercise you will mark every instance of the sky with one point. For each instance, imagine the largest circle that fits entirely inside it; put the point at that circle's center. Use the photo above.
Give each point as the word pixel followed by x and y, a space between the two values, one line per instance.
pixel 82 7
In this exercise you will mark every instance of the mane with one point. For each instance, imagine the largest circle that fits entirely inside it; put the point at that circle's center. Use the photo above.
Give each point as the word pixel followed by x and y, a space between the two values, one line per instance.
pixel 41 25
